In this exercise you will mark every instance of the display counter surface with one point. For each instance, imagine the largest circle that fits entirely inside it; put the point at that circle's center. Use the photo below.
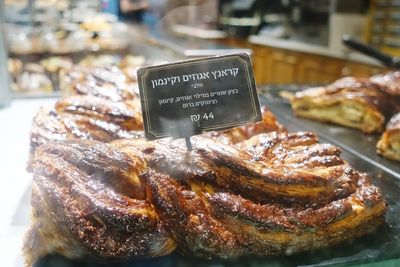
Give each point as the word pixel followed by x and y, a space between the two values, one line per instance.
pixel 191 46
pixel 15 190
pixel 304 47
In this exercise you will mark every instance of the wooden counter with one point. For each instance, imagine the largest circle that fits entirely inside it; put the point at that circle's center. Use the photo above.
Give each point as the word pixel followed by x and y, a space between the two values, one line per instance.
pixel 283 61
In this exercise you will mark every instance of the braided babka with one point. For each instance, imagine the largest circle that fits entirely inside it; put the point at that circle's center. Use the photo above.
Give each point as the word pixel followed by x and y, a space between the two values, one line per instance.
pixel 276 193
pixel 101 191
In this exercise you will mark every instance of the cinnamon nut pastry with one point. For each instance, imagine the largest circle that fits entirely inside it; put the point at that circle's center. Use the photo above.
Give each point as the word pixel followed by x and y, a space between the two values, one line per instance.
pixel 276 193
pixel 389 144
pixel 88 202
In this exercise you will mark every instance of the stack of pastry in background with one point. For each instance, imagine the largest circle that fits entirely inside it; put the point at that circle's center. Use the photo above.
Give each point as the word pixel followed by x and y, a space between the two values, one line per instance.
pixel 32 77
pixel 57 41
pixel 60 35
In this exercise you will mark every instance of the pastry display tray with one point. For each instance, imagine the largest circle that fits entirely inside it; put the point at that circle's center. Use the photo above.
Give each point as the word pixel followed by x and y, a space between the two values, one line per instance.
pixel 359 144
pixel 359 149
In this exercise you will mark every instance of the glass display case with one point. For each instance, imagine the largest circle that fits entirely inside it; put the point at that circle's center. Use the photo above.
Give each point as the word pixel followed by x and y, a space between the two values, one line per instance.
pixel 312 180
pixel 4 84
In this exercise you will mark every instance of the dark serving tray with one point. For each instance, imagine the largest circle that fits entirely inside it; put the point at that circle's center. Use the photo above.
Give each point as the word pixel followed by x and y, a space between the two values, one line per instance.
pixel 382 247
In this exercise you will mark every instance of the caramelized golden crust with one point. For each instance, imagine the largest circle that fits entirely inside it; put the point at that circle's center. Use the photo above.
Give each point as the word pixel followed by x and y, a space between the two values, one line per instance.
pixel 46 127
pixel 389 144
pixel 227 225
pixel 126 114
pixel 356 103
pixel 269 167
pixel 96 203
pixel 105 106
pixel 275 193
pixel 86 117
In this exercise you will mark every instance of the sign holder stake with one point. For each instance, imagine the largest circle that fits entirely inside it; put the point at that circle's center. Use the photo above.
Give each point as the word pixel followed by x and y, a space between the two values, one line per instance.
pixel 188 143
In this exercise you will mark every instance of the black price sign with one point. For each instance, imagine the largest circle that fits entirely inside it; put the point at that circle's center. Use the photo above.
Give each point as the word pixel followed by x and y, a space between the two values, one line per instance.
pixel 185 98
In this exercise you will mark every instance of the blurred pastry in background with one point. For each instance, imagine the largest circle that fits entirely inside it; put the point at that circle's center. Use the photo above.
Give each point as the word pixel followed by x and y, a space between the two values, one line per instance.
pixel 389 144
pixel 91 61
pixel 96 24
pixel 353 102
pixel 34 67
pixel 130 64
pixel 33 82
pixel 19 43
pixel 14 66
pixel 63 41
pixel 30 78
pixel 55 64
pixel 105 41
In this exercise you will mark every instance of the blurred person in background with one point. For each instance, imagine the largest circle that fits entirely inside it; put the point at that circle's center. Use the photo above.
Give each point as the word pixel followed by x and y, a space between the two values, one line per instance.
pixel 132 10
pixel 155 11
pixel 163 14
pixel 167 13
pixel 126 10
